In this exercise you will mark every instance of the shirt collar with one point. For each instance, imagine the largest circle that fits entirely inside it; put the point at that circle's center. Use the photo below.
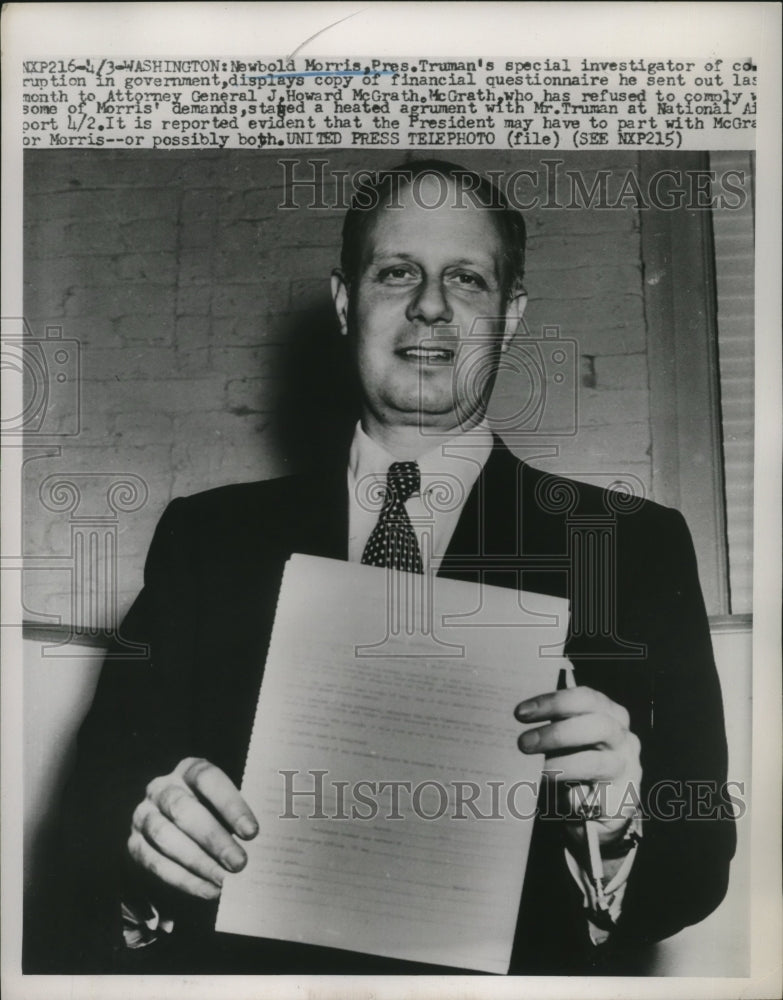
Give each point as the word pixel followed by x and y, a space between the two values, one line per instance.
pixel 463 456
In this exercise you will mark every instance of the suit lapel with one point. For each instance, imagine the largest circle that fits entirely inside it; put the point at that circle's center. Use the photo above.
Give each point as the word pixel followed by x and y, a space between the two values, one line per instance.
pixel 503 537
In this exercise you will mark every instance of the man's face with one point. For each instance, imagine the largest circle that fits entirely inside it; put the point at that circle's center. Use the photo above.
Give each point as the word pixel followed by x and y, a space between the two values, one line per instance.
pixel 425 312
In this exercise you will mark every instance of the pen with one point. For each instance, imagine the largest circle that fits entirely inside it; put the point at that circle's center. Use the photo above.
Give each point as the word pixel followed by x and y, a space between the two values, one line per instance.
pixel 594 862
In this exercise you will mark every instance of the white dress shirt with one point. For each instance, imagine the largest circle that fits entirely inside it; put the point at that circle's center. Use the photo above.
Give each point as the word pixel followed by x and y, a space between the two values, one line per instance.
pixel 448 473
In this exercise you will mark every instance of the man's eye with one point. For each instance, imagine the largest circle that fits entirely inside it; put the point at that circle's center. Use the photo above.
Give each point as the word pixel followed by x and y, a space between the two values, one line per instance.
pixel 468 279
pixel 396 274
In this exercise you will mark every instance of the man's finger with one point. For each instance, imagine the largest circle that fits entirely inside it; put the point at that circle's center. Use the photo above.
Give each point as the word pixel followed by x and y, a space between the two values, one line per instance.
pixel 570 701
pixel 215 787
pixel 179 804
pixel 599 731
pixel 167 870
pixel 587 766
pixel 167 839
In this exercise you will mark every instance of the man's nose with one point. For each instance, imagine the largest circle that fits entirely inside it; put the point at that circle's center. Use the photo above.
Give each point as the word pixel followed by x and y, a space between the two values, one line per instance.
pixel 429 304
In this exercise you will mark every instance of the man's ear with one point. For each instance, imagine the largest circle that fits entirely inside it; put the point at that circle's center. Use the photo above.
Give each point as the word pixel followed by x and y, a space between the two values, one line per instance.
pixel 340 296
pixel 515 310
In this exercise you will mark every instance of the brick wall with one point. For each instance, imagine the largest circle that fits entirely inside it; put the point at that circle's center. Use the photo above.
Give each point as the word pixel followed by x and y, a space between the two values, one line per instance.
pixel 207 346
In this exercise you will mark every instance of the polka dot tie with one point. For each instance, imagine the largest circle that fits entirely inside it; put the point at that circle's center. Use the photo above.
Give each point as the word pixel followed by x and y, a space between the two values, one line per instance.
pixel 393 540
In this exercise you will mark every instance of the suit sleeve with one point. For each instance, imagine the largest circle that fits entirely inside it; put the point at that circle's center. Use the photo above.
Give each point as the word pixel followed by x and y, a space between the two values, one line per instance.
pixel 135 730
pixel 661 668
pixel 682 867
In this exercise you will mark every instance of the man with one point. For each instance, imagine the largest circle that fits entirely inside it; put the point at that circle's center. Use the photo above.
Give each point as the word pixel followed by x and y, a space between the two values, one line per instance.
pixel 429 296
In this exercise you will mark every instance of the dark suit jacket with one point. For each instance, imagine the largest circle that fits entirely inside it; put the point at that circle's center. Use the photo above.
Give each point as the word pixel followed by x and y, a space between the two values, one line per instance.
pixel 206 611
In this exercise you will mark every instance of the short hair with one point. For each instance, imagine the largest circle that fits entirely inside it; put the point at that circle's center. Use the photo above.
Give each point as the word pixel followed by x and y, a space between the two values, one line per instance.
pixel 376 190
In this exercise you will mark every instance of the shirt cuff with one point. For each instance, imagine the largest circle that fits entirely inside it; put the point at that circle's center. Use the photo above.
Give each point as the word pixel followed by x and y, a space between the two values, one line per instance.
pixel 602 915
pixel 142 924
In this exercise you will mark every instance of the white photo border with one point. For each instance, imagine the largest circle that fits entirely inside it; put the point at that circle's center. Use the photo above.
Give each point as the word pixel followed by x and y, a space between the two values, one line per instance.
pixel 392 29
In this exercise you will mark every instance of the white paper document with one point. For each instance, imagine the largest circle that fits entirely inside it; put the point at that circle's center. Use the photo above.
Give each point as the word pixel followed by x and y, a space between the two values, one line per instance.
pixel 395 808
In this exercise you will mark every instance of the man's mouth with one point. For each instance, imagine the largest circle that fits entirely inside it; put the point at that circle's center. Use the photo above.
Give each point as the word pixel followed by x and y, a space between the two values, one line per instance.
pixel 427 355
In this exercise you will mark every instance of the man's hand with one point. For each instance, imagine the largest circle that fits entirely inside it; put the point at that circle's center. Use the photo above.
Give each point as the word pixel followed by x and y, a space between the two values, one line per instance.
pixel 182 830
pixel 586 739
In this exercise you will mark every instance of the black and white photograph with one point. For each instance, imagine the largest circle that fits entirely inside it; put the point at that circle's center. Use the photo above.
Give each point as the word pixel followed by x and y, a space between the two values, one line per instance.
pixel 387 511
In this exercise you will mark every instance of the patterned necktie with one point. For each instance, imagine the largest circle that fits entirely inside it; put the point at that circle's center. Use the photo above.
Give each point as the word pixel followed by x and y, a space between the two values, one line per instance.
pixel 393 540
